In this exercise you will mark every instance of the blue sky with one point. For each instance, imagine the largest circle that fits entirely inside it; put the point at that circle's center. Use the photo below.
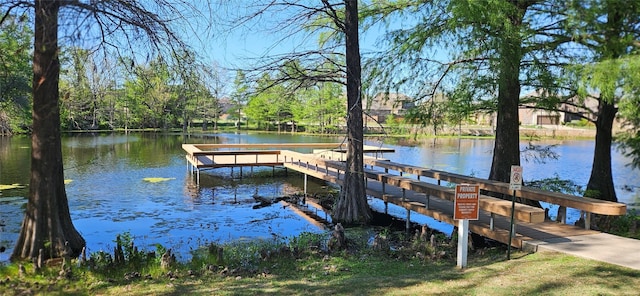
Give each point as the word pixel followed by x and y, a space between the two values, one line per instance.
pixel 263 37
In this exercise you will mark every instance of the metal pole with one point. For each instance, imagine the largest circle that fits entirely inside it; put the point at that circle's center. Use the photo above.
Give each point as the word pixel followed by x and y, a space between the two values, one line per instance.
pixel 513 209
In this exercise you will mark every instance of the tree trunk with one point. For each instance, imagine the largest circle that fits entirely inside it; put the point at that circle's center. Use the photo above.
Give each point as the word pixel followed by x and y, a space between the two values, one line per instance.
pixel 47 223
pixel 352 206
pixel 600 184
pixel 601 180
pixel 506 150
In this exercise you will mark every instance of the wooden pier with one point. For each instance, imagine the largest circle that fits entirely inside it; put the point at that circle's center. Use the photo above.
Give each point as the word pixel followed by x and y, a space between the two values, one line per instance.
pixel 406 186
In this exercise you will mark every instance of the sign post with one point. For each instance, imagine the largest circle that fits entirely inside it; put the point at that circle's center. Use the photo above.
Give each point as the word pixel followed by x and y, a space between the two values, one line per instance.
pixel 515 183
pixel 466 207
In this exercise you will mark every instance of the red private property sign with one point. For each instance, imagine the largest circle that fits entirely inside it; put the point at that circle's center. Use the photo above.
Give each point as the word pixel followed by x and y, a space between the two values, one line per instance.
pixel 467 202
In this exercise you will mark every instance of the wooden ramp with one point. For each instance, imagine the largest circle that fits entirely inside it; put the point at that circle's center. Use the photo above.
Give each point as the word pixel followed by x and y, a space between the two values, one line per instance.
pixel 491 226
pixel 415 195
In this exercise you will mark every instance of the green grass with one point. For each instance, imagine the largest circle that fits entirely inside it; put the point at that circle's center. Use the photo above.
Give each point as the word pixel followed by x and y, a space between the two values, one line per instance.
pixel 300 267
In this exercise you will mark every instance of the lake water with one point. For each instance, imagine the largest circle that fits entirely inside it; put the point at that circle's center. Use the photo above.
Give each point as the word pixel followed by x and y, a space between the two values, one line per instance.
pixel 108 194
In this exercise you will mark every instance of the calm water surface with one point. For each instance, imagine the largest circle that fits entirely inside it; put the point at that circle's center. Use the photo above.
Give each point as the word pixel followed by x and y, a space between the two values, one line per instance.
pixel 108 195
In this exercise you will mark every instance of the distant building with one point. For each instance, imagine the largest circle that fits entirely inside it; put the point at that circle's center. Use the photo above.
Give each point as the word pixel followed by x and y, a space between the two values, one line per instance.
pixel 380 106
pixel 566 112
pixel 225 105
pixel 573 110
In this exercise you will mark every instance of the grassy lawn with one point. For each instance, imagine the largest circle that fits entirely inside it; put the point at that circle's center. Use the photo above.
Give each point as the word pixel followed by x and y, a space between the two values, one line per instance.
pixel 286 269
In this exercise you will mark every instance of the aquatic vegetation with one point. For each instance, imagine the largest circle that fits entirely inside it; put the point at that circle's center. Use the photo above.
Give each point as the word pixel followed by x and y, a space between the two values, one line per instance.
pixel 157 179
pixel 11 186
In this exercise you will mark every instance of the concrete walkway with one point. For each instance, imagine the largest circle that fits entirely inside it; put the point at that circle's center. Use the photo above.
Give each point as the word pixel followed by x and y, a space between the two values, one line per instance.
pixel 602 247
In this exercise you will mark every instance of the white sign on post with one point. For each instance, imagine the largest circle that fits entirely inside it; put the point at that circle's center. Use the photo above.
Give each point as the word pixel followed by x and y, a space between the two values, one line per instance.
pixel 514 184
pixel 516 178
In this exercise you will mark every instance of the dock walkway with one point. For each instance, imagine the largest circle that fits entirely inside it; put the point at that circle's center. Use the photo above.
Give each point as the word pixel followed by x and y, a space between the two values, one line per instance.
pixel 532 233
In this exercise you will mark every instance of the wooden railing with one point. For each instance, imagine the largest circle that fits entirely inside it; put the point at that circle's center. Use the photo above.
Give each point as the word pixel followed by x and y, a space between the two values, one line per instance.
pixel 523 213
pixel 584 204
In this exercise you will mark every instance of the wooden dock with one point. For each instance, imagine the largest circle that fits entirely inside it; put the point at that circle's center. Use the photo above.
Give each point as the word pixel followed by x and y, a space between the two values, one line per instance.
pixel 212 156
pixel 387 181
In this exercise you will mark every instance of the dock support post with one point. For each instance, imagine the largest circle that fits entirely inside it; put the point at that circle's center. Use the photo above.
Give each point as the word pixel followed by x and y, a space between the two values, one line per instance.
pixel 235 194
pixel 404 194
pixel 491 221
pixel 305 186
pixel 408 222
pixel 198 176
pixel 428 200
pixel 386 207
pixel 587 220
pixel 562 215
